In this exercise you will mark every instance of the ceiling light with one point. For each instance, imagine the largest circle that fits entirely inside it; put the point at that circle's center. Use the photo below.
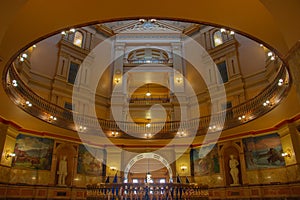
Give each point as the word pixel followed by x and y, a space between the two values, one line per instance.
pixel 148 94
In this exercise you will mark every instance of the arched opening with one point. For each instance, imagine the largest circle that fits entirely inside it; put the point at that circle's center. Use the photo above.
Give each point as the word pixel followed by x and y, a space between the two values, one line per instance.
pixel 144 163
pixel 148 55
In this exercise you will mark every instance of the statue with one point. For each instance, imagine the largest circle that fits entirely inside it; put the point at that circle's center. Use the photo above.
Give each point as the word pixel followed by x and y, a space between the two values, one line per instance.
pixel 62 171
pixel 234 171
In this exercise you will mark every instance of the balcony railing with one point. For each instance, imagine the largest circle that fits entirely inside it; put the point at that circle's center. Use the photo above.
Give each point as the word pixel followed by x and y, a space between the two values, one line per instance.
pixel 146 61
pixel 143 100
pixel 235 116
pixel 147 191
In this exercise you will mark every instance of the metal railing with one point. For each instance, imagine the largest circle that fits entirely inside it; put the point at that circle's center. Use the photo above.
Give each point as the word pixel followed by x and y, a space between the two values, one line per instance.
pixel 235 116
pixel 147 191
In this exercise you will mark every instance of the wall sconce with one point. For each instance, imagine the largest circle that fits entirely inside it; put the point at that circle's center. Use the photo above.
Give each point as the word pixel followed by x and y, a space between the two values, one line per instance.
pixel 72 30
pixel 282 82
pixel 52 118
pixel 114 134
pixel 268 103
pixel 113 168
pixel 230 32
pixel 287 153
pixel 179 79
pixel 81 128
pixel 117 80
pixel 27 103
pixel 183 167
pixel 242 118
pixel 181 133
pixel 9 155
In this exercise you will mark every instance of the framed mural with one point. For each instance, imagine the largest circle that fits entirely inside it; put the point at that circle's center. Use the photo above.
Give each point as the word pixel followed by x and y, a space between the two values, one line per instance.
pixel 205 160
pixel 91 161
pixel 33 152
pixel 263 152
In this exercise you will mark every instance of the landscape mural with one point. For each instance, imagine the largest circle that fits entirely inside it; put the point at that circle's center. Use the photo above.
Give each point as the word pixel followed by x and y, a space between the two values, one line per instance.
pixel 263 152
pixel 33 152
pixel 91 161
pixel 206 160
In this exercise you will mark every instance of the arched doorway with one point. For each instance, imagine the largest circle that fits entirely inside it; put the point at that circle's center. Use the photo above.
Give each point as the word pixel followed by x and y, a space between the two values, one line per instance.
pixel 149 162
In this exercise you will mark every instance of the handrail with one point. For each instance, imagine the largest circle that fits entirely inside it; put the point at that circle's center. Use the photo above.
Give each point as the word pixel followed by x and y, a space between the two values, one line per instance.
pixel 246 111
pixel 147 191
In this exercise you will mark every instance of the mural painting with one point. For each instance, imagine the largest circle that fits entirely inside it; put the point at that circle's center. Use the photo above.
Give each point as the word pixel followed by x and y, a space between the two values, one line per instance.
pixel 263 152
pixel 88 164
pixel 206 160
pixel 33 152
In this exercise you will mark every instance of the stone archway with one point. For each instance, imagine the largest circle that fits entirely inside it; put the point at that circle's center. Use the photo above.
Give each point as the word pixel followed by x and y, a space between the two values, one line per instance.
pixel 148 155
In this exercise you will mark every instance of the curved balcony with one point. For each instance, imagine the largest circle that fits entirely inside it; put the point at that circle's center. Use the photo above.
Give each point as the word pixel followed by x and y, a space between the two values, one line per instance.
pixel 29 101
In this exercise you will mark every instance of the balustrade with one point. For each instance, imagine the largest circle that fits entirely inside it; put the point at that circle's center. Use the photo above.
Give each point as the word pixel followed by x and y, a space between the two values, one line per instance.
pixel 250 109
pixel 146 191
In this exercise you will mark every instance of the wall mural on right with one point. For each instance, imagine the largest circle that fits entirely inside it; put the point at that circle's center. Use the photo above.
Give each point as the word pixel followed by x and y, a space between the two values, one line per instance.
pixel 263 152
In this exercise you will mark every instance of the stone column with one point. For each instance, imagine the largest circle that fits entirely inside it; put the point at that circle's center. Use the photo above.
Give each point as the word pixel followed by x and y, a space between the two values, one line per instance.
pixel 119 93
pixel 180 107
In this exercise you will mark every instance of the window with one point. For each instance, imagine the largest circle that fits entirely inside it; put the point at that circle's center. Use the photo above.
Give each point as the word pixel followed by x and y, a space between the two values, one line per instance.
pixel 217 37
pixel 73 72
pixel 68 106
pixel 227 105
pixel 223 72
pixel 78 37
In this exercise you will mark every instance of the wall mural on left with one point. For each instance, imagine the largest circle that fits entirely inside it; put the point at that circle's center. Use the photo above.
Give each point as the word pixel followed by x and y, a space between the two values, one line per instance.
pixel 33 152
pixel 205 160
pixel 88 164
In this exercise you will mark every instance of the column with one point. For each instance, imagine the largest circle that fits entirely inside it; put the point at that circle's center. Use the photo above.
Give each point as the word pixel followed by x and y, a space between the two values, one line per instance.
pixel 119 91
pixel 180 107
